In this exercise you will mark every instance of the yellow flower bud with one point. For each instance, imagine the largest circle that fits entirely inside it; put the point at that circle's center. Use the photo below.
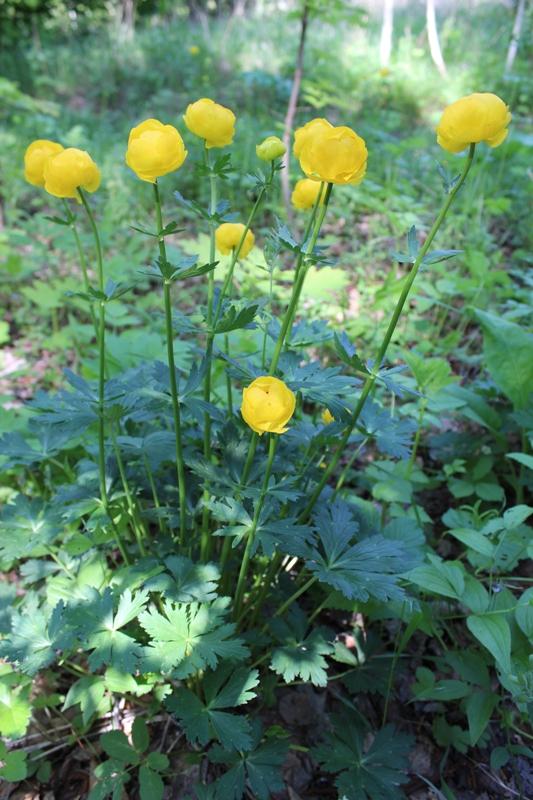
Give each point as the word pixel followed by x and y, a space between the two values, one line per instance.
pixel 476 118
pixel 335 155
pixel 194 49
pixel 306 192
pixel 302 135
pixel 68 169
pixel 270 149
pixel 211 122
pixel 154 150
pixel 267 405
pixel 228 235
pixel 35 158
pixel 327 417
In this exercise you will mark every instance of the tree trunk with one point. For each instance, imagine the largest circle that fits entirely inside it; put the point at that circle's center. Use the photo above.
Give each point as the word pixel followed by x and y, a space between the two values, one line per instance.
pixel 515 38
pixel 385 44
pixel 433 37
pixel 289 117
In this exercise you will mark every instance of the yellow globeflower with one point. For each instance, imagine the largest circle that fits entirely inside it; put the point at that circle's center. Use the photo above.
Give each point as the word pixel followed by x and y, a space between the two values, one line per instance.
pixel 306 192
pixel 194 49
pixel 67 170
pixel 154 150
pixel 270 149
pixel 302 135
pixel 335 155
pixel 480 117
pixel 211 122
pixel 327 417
pixel 35 158
pixel 267 405
pixel 228 235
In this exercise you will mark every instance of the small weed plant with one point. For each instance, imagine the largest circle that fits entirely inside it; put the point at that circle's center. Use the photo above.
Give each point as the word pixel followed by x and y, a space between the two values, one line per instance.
pixel 186 534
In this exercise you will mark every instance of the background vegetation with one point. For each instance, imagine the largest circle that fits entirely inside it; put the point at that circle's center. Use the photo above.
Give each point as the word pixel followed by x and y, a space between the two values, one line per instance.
pixel 85 73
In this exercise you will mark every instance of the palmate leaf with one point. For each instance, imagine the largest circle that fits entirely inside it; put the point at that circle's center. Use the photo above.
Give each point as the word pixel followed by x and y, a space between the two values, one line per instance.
pixel 188 582
pixel 373 775
pixel 300 655
pixel 35 641
pixel 189 637
pixel 392 436
pixel 99 627
pixel 197 716
pixel 50 439
pixel 368 568
pixel 260 765
pixel 236 317
pixel 27 524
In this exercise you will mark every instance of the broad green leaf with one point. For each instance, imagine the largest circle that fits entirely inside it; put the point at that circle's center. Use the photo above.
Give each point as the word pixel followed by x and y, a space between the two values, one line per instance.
pixel 36 639
pixel 116 745
pixel 15 767
pixel 27 524
pixel 444 690
pixel 439 578
pixel 150 784
pixel 300 655
pixel 479 708
pixel 494 633
pixel 508 352
pixel 499 757
pixel 474 596
pixel 515 516
pixel 227 687
pixel 357 570
pixel 157 761
pixel 522 458
pixel 88 692
pixel 524 613
pixel 15 712
pixel 140 735
pixel 99 627
pixel 475 540
pixel 470 666
pixel 260 765
pixel 189 637
pixel 188 583
pixel 375 774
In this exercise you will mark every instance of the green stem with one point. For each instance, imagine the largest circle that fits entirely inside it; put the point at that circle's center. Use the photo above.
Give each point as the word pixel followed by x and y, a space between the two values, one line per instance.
pixel 239 594
pixel 83 265
pixel 135 524
pixel 101 352
pixel 417 439
pixel 206 535
pixel 388 336
pixel 346 469
pixel 154 491
pixel 299 282
pixel 292 598
pixel 172 371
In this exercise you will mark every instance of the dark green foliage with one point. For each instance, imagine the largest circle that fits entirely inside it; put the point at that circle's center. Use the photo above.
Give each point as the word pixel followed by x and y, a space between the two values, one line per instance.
pixel 371 775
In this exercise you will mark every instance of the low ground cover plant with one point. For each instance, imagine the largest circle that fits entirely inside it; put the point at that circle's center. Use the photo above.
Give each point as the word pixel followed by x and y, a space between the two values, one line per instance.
pixel 188 532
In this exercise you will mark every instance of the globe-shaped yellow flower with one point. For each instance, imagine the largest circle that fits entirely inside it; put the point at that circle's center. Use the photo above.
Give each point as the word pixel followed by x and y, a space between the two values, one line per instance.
pixel 211 122
pixel 67 170
pixel 270 149
pixel 194 49
pixel 154 150
pixel 306 192
pixel 302 135
pixel 335 155
pixel 267 405
pixel 228 235
pixel 327 417
pixel 36 157
pixel 480 117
